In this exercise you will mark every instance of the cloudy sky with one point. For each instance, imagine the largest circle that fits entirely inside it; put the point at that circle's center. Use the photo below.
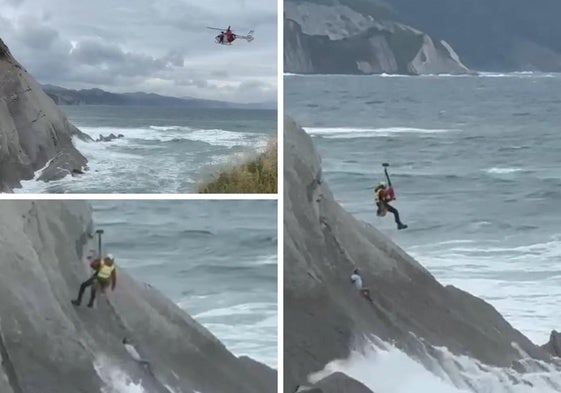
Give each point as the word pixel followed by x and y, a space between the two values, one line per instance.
pixel 159 46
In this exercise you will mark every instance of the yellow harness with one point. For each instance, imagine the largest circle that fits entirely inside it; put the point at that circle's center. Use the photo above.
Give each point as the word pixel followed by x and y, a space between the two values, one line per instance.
pixel 105 271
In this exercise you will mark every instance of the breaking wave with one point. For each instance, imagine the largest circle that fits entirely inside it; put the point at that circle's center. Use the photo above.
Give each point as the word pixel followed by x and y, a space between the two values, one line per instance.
pixel 385 369
pixel 116 381
pixel 357 132
pixel 168 159
pixel 503 171
pixel 215 137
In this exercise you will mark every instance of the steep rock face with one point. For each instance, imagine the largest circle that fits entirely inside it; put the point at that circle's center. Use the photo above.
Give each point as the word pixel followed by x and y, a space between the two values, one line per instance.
pixel 337 382
pixel 325 317
pixel 553 346
pixel 47 345
pixel 337 39
pixel 32 129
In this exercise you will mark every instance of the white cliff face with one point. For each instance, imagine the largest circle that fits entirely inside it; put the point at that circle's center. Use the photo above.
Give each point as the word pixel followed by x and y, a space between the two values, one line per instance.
pixel 296 54
pixel 433 60
pixel 336 39
pixel 33 130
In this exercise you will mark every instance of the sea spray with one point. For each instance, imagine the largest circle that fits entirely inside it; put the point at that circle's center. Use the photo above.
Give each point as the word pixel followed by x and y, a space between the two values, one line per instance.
pixel 115 379
pixel 384 368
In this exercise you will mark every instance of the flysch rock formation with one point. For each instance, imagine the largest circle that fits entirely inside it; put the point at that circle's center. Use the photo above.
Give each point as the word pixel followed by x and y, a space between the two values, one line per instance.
pixel 47 345
pixel 325 317
pixel 336 39
pixel 34 133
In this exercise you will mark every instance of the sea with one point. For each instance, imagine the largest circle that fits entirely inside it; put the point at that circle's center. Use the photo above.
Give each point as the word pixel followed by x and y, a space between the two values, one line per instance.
pixel 476 166
pixel 164 150
pixel 216 259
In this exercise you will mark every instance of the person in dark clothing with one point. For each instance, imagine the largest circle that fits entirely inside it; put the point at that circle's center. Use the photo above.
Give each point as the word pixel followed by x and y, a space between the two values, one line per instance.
pixel 104 274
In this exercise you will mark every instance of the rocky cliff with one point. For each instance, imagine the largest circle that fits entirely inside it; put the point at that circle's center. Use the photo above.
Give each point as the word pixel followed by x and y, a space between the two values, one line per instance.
pixel 47 345
pixel 324 316
pixel 492 35
pixel 33 131
pixel 330 37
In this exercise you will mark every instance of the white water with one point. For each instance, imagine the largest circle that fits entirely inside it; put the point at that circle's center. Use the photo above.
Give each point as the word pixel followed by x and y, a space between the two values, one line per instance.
pixel 385 369
pixel 150 159
pixel 115 379
pixel 503 171
pixel 358 132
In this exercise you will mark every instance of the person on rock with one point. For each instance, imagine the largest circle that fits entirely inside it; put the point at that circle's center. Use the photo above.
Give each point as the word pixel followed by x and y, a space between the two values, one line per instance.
pixel 356 279
pixel 104 274
pixel 135 355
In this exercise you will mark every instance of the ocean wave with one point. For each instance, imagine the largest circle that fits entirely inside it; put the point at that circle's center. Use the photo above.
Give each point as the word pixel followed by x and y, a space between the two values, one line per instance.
pixel 359 132
pixel 270 260
pixel 514 147
pixel 519 74
pixel 383 367
pixel 503 171
pixel 215 136
pixel 249 309
pixel 252 270
pixel 194 232
pixel 385 75
pixel 547 250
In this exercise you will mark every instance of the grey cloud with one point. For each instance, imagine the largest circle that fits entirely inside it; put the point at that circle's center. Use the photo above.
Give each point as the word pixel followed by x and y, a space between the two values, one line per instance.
pixel 14 3
pixel 94 52
pixel 36 36
pixel 219 73
pixel 201 83
pixel 156 45
pixel 175 58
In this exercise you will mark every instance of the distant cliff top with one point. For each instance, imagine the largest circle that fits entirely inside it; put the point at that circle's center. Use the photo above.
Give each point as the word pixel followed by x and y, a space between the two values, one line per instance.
pixel 343 37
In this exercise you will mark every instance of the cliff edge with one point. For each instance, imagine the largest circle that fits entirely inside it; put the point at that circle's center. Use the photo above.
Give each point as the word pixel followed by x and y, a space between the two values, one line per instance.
pixel 34 133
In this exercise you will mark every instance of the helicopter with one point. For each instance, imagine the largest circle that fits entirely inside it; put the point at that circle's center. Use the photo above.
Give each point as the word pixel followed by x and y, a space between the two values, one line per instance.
pixel 227 36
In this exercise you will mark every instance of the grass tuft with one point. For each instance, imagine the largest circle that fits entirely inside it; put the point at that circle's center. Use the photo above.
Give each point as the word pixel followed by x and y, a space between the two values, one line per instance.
pixel 257 176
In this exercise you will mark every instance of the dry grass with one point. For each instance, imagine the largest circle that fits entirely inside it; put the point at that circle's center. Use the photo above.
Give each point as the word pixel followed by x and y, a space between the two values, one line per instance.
pixel 258 176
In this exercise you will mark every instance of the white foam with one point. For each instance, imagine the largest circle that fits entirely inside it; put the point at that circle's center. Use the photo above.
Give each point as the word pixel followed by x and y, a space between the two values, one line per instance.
pixel 384 75
pixel 522 281
pixel 385 369
pixel 115 166
pixel 503 171
pixel 116 380
pixel 216 137
pixel 358 132
pixel 238 310
pixel 269 260
pixel 519 74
